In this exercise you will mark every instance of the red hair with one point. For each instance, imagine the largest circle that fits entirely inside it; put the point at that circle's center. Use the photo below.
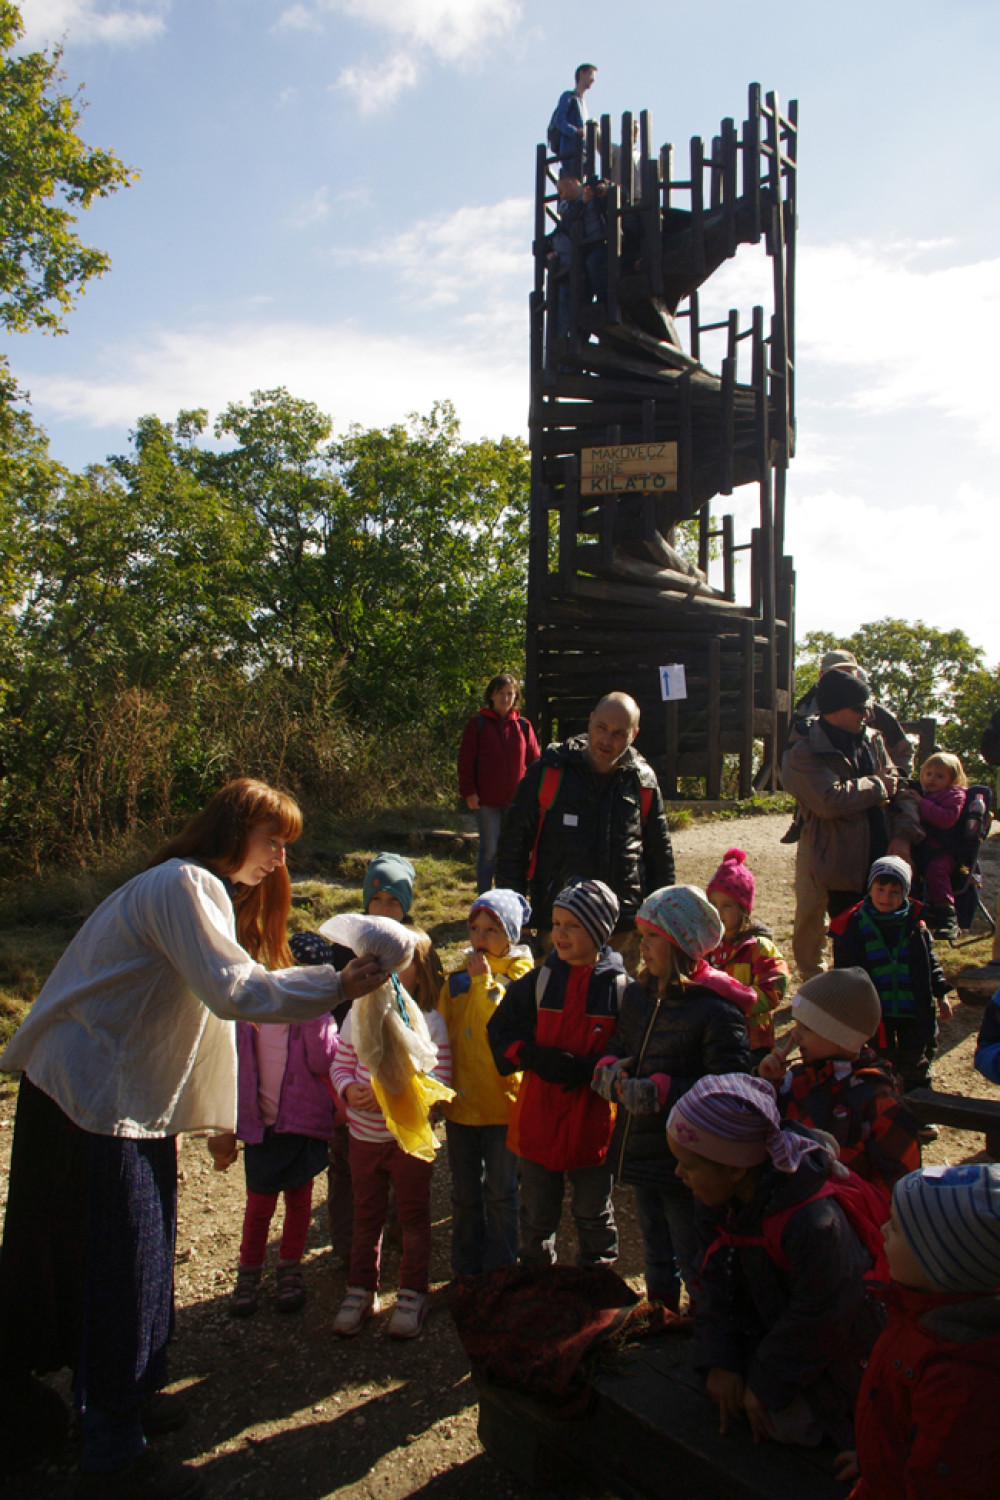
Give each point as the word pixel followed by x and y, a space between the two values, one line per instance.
pixel 217 837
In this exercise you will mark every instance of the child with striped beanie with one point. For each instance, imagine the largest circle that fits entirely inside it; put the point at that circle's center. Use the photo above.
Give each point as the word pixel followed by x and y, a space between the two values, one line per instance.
pixel 782 1320
pixel 926 1415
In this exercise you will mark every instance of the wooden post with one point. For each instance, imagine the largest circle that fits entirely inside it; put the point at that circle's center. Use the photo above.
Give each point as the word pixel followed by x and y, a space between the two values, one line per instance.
pixel 625 161
pixel 747 701
pixel 614 254
pixel 670 758
pixel 698 204
pixel 606 148
pixel 751 160
pixel 713 780
pixel 728 558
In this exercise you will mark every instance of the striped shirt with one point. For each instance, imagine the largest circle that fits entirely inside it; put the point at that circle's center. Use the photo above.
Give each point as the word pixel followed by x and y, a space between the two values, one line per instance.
pixel 347 1068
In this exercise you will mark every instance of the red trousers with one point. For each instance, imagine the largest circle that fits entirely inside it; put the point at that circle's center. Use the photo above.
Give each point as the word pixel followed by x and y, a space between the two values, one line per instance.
pixel 257 1224
pixel 374 1164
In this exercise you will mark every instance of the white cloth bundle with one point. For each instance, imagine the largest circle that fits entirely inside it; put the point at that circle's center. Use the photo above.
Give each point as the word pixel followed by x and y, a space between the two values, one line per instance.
pixel 390 1050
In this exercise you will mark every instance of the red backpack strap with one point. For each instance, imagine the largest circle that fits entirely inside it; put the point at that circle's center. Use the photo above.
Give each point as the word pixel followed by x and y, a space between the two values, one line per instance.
pixel 645 802
pixel 863 1206
pixel 548 791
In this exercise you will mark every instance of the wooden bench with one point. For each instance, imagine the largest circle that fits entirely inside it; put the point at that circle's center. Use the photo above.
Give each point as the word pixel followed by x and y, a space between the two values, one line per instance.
pixel 932 1108
pixel 649 1433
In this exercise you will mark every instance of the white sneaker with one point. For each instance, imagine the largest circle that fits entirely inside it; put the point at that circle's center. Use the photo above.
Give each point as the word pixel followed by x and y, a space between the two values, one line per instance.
pixel 356 1308
pixel 409 1314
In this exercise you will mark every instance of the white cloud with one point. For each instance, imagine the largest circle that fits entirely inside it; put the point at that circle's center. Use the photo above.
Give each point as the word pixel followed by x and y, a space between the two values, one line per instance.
pixel 857 560
pixel 378 85
pixel 880 330
pixel 448 257
pixel 454 32
pixel 451 29
pixel 353 374
pixel 48 21
pixel 313 210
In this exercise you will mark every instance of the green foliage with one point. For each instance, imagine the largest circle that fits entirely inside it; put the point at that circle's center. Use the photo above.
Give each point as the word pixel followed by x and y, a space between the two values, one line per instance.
pixel 313 612
pixel 47 173
pixel 917 671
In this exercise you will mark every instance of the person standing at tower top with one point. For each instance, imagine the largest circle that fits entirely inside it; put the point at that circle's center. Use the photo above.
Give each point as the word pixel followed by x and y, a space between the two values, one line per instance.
pixel 590 808
pixel 568 124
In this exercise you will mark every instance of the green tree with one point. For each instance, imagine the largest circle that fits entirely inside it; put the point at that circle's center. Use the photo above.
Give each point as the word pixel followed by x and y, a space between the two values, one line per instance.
pixel 399 555
pixel 47 174
pixel 917 671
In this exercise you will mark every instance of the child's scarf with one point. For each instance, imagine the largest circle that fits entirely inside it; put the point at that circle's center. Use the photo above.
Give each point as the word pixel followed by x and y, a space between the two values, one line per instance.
pixel 886 939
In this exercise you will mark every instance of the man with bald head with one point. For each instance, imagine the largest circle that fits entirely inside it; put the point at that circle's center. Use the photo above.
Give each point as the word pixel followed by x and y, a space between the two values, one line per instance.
pixel 590 808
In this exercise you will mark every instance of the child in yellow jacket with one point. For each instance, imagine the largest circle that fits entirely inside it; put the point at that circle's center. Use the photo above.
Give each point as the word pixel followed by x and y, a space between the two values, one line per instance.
pixel 747 951
pixel 483 1170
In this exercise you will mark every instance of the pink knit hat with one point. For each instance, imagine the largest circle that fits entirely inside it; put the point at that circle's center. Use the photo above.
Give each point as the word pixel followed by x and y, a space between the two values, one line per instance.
pixel 733 1118
pixel 733 878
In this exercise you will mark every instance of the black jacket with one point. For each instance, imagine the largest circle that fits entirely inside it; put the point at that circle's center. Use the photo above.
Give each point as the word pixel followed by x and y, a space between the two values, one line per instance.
pixel 593 831
pixel 690 1033
pixel 926 974
pixel 807 1330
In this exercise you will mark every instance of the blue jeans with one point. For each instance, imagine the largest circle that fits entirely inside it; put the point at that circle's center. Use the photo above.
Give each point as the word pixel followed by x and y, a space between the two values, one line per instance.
pixel 593 1213
pixel 488 820
pixel 669 1241
pixel 483 1198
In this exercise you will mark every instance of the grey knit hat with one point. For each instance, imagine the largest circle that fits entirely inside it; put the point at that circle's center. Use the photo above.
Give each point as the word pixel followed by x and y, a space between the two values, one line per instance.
pixel 594 905
pixel 950 1218
pixel 891 867
pixel 841 1005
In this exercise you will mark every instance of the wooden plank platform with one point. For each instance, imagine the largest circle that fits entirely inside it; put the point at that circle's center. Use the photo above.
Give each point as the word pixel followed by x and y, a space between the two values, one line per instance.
pixel 960 1112
pixel 650 1433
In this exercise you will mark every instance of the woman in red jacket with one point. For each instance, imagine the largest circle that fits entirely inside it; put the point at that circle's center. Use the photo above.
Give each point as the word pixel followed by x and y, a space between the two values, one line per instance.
pixel 497 748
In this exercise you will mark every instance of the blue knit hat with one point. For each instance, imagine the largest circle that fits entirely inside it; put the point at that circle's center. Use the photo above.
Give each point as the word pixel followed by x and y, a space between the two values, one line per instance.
pixel 950 1218
pixel 392 873
pixel 509 907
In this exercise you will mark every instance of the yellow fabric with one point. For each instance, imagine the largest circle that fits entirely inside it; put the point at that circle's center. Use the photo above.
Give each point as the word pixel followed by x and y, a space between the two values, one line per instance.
pixel 482 1097
pixel 408 1114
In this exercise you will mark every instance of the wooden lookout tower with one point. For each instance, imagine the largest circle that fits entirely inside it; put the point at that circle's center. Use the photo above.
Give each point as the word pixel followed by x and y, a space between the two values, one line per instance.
pixel 632 437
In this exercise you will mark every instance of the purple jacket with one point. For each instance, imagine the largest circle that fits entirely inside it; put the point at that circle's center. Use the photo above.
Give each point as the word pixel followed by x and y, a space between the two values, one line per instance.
pixel 306 1106
pixel 941 815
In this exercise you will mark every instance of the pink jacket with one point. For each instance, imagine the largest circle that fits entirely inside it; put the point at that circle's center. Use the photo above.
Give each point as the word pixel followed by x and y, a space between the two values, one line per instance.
pixel 307 1105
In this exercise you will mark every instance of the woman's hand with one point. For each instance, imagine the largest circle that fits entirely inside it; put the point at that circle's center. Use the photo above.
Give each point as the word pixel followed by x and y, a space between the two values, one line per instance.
pixel 758 1415
pixel 361 1096
pixel 223 1150
pixel 472 801
pixel 845 1466
pixel 361 976
pixel 726 1389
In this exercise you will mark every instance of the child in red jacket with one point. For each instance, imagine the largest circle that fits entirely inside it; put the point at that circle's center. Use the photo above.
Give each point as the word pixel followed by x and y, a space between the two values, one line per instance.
pixel 926 1420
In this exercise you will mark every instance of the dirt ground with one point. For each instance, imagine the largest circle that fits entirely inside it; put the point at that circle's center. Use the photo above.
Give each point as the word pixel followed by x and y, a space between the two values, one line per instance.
pixel 280 1407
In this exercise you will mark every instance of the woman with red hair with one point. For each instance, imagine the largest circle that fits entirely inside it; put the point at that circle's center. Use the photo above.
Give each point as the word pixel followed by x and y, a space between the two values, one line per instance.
pixel 130 1042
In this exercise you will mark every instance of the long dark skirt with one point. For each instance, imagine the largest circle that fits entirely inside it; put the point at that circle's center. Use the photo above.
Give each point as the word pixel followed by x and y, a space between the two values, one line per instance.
pixel 87 1262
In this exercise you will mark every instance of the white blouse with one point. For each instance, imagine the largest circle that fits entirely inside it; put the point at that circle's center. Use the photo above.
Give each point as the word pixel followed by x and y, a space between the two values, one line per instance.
pixel 132 1032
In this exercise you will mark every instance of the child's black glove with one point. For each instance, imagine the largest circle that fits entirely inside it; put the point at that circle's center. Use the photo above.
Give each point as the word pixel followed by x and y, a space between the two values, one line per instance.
pixel 555 1065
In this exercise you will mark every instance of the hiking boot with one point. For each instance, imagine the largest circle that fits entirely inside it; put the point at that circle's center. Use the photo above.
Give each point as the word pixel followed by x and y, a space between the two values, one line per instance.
pixel 355 1310
pixel 147 1477
pixel 162 1413
pixel 943 922
pixel 291 1291
pixel 243 1302
pixel 409 1314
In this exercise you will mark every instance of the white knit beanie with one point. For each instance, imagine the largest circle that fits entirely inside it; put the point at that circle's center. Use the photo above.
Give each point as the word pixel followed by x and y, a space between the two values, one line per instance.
pixel 841 1005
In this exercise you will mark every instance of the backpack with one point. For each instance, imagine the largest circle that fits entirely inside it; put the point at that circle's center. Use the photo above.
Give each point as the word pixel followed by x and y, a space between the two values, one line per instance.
pixel 553 134
pixel 864 1208
pixel 548 791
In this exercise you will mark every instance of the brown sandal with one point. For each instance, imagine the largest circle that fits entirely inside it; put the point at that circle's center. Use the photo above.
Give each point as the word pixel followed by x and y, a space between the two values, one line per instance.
pixel 291 1291
pixel 243 1302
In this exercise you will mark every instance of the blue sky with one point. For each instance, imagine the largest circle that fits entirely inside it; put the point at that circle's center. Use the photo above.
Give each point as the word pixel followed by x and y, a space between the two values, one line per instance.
pixel 335 197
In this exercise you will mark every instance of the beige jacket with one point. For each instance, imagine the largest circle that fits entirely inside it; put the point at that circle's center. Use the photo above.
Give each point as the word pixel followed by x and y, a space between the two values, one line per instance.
pixel 834 802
